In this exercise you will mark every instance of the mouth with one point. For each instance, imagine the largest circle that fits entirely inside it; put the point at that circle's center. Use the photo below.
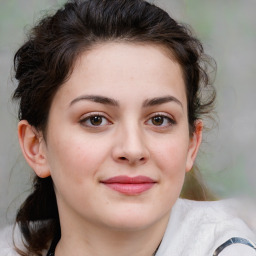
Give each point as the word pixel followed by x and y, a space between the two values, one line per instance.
pixel 129 185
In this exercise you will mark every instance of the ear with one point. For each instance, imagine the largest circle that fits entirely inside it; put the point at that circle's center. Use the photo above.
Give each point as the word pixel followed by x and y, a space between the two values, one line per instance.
pixel 194 145
pixel 33 148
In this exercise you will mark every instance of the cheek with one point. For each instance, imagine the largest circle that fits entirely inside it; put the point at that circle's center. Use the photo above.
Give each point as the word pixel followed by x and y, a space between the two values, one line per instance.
pixel 171 156
pixel 72 158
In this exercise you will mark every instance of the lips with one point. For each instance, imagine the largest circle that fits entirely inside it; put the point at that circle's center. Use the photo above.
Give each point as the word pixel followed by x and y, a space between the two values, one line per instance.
pixel 129 185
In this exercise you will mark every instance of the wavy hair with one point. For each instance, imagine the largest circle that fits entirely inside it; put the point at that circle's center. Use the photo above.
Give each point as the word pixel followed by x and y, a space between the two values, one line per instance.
pixel 47 58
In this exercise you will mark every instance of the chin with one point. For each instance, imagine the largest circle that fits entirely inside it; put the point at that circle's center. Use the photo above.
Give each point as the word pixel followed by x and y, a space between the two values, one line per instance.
pixel 130 225
pixel 135 220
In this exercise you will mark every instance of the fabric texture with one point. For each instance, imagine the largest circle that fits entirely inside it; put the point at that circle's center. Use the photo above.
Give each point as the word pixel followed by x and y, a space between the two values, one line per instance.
pixel 199 228
pixel 194 229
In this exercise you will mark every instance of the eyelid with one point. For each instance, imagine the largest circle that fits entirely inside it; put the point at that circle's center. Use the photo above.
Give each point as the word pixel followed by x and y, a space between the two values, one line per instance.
pixel 170 118
pixel 87 116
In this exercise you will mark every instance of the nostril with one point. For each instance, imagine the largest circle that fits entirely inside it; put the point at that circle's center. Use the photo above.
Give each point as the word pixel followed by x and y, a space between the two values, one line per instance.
pixel 131 159
pixel 139 159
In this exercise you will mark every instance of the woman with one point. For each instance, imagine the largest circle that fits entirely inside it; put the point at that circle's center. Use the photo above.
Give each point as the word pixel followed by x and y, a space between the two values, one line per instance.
pixel 111 99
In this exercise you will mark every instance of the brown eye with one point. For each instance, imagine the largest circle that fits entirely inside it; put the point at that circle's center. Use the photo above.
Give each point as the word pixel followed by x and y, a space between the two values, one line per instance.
pixel 157 120
pixel 161 121
pixel 96 120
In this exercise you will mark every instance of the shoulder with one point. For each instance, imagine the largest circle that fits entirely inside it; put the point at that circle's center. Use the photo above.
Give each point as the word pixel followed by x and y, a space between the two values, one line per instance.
pixel 8 235
pixel 6 242
pixel 199 228
pixel 235 214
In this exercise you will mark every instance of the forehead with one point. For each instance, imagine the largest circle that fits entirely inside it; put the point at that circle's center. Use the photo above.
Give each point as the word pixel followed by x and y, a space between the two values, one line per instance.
pixel 127 57
pixel 112 68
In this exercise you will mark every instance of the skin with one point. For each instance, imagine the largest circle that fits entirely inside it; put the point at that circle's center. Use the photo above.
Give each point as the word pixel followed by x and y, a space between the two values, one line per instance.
pixel 134 135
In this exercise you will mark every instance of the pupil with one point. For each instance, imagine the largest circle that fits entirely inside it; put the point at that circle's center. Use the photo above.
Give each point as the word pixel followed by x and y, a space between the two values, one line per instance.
pixel 158 120
pixel 96 120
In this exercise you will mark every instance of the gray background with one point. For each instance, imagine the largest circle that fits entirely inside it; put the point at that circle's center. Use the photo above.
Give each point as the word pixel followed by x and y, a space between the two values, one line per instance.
pixel 228 155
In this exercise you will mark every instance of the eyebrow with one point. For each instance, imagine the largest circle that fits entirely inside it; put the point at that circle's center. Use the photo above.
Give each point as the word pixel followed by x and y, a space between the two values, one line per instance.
pixel 113 102
pixel 96 98
pixel 161 100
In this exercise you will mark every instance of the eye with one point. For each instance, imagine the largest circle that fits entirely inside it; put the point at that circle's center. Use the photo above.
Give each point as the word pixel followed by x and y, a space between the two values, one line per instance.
pixel 94 120
pixel 161 120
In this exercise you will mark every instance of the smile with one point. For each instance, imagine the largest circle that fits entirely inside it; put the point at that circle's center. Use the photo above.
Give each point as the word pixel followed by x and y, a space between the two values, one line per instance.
pixel 129 185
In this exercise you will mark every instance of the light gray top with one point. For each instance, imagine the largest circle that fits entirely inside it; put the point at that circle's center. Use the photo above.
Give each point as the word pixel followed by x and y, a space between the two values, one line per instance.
pixel 194 229
pixel 199 228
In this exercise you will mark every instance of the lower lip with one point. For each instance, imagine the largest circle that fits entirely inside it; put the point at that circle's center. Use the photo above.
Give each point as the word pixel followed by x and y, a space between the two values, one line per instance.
pixel 130 188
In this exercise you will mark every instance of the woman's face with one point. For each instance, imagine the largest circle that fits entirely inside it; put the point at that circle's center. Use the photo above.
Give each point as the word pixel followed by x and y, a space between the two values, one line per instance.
pixel 118 143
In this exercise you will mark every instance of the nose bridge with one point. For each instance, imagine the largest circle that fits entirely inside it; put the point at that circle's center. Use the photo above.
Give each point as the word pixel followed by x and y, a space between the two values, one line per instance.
pixel 132 138
pixel 131 146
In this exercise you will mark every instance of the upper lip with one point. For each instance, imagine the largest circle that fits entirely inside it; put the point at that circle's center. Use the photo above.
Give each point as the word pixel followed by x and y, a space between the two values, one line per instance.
pixel 122 179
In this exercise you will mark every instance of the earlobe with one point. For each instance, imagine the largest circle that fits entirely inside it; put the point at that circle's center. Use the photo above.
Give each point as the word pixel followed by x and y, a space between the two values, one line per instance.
pixel 195 142
pixel 33 148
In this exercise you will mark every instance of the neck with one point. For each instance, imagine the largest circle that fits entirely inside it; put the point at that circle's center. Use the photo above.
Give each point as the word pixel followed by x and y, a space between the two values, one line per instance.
pixel 92 240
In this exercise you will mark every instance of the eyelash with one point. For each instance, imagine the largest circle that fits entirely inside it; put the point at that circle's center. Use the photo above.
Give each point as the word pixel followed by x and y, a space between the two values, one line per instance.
pixel 89 117
pixel 166 120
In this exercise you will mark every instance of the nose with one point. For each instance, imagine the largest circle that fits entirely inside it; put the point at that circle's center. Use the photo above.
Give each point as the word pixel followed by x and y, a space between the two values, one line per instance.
pixel 131 146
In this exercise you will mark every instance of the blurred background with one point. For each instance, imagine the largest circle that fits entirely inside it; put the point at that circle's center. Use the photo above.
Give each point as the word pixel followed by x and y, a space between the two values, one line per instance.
pixel 228 31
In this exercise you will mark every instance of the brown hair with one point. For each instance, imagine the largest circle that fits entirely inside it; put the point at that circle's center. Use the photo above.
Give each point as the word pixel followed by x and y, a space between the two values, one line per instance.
pixel 46 60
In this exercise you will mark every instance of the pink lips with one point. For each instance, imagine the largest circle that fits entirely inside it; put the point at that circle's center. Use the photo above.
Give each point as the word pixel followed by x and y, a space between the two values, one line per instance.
pixel 129 185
